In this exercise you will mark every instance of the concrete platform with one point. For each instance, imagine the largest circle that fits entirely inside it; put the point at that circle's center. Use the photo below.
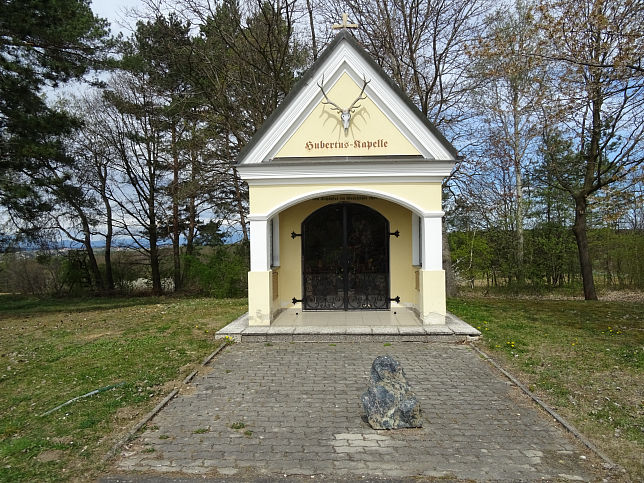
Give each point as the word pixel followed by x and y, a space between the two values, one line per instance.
pixel 400 325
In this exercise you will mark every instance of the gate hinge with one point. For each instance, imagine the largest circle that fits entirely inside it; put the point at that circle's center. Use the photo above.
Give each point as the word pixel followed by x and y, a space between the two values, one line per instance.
pixel 294 300
pixel 293 235
pixel 395 233
pixel 395 299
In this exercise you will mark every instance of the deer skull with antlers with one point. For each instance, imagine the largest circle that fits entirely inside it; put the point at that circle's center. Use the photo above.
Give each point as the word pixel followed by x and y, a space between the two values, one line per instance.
pixel 345 114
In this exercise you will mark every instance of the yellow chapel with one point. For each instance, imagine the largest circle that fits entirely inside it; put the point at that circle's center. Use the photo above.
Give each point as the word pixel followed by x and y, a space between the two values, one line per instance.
pixel 345 196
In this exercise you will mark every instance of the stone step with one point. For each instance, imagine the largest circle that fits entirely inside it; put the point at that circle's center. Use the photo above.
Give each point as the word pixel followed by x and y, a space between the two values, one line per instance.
pixel 340 338
pixel 454 331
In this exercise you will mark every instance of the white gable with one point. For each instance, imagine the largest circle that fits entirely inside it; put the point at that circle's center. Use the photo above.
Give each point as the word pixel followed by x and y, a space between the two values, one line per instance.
pixel 369 133
pixel 389 123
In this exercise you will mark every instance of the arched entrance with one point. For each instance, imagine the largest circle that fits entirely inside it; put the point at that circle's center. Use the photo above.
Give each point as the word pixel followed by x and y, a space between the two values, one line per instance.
pixel 345 259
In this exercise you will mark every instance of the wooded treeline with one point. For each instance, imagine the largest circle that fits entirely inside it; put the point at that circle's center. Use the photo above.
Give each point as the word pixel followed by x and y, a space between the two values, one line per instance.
pixel 544 100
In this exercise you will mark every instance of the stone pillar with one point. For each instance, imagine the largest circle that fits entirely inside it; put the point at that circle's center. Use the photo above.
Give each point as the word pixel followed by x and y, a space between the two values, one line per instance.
pixel 259 278
pixel 433 305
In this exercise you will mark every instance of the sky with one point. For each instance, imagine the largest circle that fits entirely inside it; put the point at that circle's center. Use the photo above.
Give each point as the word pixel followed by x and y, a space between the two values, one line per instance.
pixel 115 12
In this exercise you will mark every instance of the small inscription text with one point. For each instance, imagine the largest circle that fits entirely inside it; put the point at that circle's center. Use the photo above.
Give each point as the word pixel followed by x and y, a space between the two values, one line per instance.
pixel 344 145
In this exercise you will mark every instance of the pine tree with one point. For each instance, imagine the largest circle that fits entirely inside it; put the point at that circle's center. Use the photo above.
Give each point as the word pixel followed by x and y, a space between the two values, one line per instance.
pixel 43 45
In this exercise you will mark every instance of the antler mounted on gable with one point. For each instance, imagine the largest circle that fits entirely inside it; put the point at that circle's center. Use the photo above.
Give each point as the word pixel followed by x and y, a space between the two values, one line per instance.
pixel 345 114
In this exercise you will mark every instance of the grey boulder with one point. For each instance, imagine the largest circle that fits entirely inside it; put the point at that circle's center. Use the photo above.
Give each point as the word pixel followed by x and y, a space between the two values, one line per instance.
pixel 389 401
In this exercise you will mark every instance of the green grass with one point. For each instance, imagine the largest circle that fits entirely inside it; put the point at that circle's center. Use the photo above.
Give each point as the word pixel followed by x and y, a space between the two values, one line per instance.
pixel 52 350
pixel 586 359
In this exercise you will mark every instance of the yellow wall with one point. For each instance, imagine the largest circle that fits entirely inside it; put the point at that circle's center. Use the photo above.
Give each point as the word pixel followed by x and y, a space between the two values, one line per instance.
pixel 264 199
pixel 370 132
pixel 260 308
pixel 269 200
pixel 432 295
pixel 402 273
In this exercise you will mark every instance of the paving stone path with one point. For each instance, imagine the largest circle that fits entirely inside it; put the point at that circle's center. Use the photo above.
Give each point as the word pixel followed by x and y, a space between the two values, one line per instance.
pixel 294 409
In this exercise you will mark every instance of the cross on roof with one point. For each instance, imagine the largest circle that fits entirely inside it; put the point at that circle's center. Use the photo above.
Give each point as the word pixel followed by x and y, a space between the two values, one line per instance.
pixel 344 24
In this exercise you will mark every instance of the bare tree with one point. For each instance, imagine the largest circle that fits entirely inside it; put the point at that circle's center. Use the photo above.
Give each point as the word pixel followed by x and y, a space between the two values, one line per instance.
pixel 73 213
pixel 509 102
pixel 134 131
pixel 595 114
pixel 422 45
pixel 95 155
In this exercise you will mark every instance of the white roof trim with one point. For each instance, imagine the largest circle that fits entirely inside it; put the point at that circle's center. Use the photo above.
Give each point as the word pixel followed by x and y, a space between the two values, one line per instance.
pixel 348 172
pixel 325 180
pixel 345 59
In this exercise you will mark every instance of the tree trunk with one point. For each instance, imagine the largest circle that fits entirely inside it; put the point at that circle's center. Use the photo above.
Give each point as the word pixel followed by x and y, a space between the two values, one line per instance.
pixel 97 282
pixel 176 252
pixel 195 176
pixel 154 263
pixel 154 249
pixel 192 225
pixel 314 45
pixel 581 236
pixel 592 161
pixel 192 207
pixel 93 265
pixel 240 205
pixel 519 226
pixel 190 239
pixel 109 277
pixel 518 186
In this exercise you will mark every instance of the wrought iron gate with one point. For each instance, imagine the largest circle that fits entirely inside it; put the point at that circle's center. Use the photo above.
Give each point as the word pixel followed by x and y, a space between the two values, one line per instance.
pixel 345 259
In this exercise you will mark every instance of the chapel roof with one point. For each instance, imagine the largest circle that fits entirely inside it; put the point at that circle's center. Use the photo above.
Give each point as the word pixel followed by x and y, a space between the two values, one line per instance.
pixel 313 71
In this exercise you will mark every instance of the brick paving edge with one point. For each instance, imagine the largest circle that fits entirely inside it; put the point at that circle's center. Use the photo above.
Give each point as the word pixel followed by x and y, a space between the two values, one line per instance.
pixel 611 465
pixel 211 356
pixel 146 419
